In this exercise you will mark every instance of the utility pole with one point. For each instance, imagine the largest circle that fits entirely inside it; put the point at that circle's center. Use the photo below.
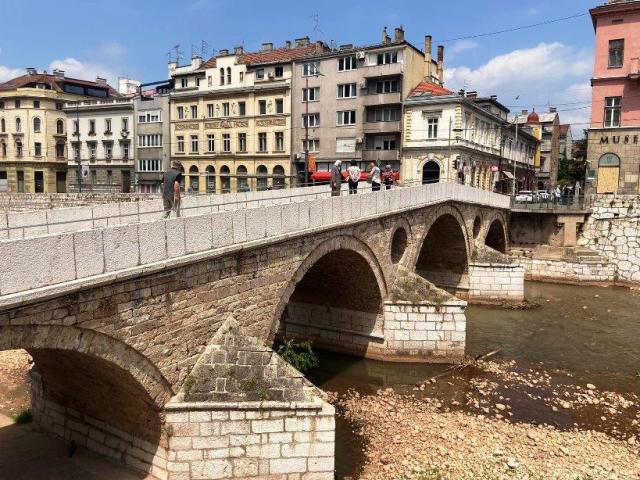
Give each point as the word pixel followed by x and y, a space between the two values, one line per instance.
pixel 306 127
pixel 500 158
pixel 79 173
pixel 515 158
pixel 456 169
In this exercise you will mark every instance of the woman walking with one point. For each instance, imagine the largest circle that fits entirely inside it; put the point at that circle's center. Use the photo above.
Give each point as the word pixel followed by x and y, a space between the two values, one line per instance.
pixel 354 177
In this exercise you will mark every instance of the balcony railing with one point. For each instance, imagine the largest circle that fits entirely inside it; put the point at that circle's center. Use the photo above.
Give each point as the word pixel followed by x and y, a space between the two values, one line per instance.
pixel 373 98
pixel 381 127
pixel 380 155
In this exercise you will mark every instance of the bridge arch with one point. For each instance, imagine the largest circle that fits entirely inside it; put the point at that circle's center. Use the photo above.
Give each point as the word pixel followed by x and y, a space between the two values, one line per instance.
pixel 496 237
pixel 338 288
pixel 444 252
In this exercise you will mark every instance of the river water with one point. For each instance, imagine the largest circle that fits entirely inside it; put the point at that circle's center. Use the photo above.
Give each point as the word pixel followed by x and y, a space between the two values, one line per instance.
pixel 578 335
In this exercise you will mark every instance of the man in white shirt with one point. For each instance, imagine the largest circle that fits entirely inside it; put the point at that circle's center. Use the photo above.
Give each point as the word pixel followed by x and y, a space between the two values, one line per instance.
pixel 354 177
pixel 374 177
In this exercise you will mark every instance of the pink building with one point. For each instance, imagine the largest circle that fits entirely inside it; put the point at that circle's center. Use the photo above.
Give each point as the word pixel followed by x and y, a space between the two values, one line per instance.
pixel 614 136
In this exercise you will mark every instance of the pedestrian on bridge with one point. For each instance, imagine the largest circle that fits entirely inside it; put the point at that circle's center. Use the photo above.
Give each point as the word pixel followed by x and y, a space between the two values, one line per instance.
pixel 336 178
pixel 374 177
pixel 389 177
pixel 354 177
pixel 171 189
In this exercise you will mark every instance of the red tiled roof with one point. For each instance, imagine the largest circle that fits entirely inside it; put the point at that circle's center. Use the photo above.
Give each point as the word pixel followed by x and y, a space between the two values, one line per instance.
pixel 564 129
pixel 54 82
pixel 282 55
pixel 211 63
pixel 431 87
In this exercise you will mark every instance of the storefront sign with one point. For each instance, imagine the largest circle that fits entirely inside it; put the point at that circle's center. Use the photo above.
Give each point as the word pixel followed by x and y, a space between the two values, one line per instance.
pixel 616 139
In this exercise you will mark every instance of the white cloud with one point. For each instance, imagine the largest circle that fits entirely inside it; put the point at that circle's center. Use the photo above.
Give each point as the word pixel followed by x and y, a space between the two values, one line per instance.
pixel 461 46
pixel 7 73
pixel 85 70
pixel 532 11
pixel 111 50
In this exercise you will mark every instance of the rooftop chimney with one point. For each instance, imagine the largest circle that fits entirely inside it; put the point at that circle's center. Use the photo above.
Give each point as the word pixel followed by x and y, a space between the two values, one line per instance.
pixel 238 50
pixel 267 47
pixel 461 92
pixel 427 57
pixel 287 44
pixel 31 71
pixel 302 42
pixel 346 46
pixel 553 109
pixel 440 73
pixel 399 34
pixel 472 94
pixel 385 37
pixel 524 112
pixel 101 81
pixel 493 97
pixel 223 52
pixel 59 74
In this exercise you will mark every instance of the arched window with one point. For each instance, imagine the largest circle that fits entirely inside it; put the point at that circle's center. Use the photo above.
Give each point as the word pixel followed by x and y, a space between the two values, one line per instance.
pixel 3 148
pixel 3 126
pixel 221 76
pixel 278 177
pixel 228 75
pixel 431 172
pixel 262 173
pixel 37 124
pixel 194 178
pixel 225 180
pixel 243 185
pixel 211 179
pixel 59 127
pixel 18 125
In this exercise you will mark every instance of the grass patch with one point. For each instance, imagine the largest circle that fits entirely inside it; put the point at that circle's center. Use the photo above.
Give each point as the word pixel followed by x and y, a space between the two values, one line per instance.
pixel 299 355
pixel 189 383
pixel 23 416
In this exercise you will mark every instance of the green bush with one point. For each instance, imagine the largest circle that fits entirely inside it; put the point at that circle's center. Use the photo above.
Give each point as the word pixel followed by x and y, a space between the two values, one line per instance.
pixel 23 416
pixel 299 355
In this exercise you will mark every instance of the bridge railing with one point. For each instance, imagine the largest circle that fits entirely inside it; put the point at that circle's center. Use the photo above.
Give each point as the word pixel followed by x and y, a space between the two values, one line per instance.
pixel 566 203
pixel 71 260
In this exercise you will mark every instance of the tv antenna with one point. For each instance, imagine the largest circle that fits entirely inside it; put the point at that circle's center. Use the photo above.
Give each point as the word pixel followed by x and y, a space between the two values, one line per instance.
pixel 204 49
pixel 177 54
pixel 316 24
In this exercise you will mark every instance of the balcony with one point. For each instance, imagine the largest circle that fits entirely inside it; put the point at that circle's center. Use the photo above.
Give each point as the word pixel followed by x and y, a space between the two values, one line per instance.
pixel 373 99
pixel 380 156
pixel 634 70
pixel 388 70
pixel 381 127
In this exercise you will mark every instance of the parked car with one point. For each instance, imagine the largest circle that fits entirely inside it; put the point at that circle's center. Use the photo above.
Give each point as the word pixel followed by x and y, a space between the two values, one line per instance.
pixel 543 195
pixel 525 196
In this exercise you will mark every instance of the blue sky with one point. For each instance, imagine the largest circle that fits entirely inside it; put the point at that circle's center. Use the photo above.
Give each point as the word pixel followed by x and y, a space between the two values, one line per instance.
pixel 550 64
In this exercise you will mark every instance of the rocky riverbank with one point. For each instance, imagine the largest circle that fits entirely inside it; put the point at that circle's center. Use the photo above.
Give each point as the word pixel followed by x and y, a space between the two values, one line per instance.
pixel 14 389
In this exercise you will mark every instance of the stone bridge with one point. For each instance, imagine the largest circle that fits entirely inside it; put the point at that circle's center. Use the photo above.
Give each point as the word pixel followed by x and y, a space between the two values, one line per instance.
pixel 152 338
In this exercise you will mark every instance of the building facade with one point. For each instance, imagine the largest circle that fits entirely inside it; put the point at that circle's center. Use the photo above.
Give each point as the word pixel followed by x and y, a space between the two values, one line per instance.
pixel 33 129
pixel 614 135
pixel 231 118
pixel 464 138
pixel 100 145
pixel 348 101
pixel 152 138
pixel 566 142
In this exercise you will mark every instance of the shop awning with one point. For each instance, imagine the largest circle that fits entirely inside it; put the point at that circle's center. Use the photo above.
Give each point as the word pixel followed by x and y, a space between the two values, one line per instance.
pixel 507 174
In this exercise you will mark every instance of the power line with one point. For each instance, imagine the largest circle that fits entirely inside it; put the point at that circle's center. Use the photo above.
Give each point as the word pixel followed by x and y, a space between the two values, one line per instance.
pixel 514 29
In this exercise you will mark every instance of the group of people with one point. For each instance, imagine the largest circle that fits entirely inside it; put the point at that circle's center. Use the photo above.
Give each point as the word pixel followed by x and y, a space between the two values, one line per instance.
pixel 375 177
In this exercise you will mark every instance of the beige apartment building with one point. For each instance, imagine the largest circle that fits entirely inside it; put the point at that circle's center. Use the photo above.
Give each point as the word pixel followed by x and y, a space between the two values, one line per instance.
pixel 231 118
pixel 348 101
pixel 33 128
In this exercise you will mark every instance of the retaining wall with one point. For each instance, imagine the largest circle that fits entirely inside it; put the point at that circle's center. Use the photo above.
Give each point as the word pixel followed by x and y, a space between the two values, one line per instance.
pixel 560 271
pixel 495 282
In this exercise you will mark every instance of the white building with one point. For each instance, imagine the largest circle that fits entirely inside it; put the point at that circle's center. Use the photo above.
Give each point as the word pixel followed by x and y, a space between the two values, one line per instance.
pixel 100 144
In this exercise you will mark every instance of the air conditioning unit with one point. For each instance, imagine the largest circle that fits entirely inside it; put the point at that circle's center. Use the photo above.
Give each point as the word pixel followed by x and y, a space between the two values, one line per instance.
pixel 359 140
pixel 363 85
pixel 360 55
pixel 271 75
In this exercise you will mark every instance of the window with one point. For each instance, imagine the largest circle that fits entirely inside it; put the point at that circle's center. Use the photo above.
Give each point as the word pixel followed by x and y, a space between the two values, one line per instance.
pixel 125 124
pixel 345 145
pixel 76 150
pixel 242 142
pixel 221 76
pixel 194 111
pixel 20 175
pixel 108 149
pixel 109 177
pixel 209 81
pixel 180 144
pixel 612 110
pixel 107 125
pixel 59 105
pixel 225 109
pixel 194 144
pixel 17 103
pixel 37 123
pixel 4 149
pixel 241 76
pixel 242 109
pixel 153 116
pixel 94 177
pixel 154 140
pixel 125 150
pixel 311 94
pixel 347 90
pixel 279 141
pixel 387 57
pixel 384 143
pixel 210 110
pixel 59 150
pixel 311 120
pixel 180 113
pixel 310 68
pixel 36 104
pixel 387 86
pixel 18 125
pixel 151 165
pixel 184 82
pixel 279 105
pixel 262 107
pixel 347 63
pixel 211 143
pixel 2 105
pixel 262 142
pixel 76 127
pixel 3 126
pixel 260 73
pixel 226 142
pixel 348 117
pixel 383 115
pixel 92 127
pixel 228 75
pixel 59 127
pixel 278 72
pixel 313 144
pixel 92 149
pixel 616 53
pixel 432 128
pixel 18 149
pixel 37 147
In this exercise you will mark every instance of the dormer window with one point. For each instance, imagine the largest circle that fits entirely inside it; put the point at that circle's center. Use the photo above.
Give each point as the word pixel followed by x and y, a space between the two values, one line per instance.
pixel 184 82
pixel 221 76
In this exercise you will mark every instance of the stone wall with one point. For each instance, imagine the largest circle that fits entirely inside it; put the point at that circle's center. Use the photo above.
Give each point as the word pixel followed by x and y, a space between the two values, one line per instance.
pixel 263 440
pixel 561 271
pixel 495 282
pixel 20 202
pixel 613 230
